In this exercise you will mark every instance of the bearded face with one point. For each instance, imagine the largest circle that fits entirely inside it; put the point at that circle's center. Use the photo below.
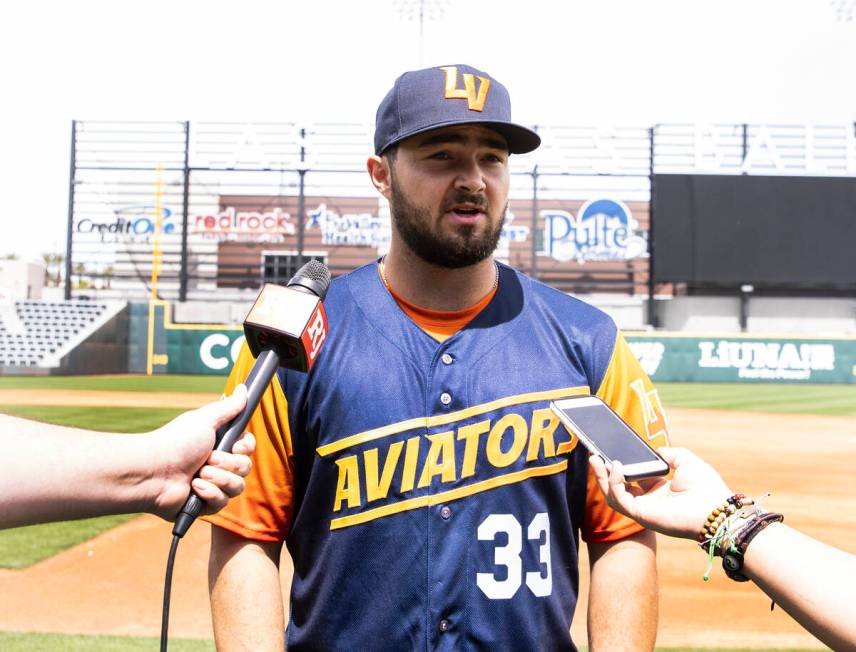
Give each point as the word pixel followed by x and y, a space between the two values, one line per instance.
pixel 438 243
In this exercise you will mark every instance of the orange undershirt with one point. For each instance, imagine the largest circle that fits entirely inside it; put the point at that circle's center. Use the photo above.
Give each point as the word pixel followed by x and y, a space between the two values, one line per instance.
pixel 439 324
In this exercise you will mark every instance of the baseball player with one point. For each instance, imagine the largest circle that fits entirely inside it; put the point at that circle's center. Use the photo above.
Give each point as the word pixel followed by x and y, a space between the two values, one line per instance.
pixel 425 492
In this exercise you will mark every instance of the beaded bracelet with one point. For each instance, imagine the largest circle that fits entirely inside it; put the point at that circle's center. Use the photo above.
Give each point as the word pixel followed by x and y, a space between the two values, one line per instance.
pixel 728 530
pixel 719 515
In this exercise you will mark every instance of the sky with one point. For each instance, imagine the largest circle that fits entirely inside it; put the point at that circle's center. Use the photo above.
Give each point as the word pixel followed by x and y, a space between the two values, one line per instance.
pixel 600 62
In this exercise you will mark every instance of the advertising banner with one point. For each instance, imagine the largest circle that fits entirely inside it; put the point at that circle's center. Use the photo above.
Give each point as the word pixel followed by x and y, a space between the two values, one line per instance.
pixel 177 348
pixel 673 358
pixel 202 351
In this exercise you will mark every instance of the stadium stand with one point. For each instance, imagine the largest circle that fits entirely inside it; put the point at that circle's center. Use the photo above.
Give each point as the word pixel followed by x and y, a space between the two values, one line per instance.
pixel 39 333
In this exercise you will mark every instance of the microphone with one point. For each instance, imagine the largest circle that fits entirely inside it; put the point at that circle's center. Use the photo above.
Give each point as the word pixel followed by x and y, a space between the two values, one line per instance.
pixel 285 328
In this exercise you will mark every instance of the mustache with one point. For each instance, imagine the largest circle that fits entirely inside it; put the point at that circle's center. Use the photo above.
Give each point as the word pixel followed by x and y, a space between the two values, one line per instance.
pixel 466 198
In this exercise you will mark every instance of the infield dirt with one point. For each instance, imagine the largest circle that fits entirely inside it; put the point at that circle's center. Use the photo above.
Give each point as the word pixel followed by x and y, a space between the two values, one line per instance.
pixel 113 583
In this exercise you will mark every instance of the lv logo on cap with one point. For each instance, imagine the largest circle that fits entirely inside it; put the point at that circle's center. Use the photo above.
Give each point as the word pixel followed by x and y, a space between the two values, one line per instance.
pixel 475 101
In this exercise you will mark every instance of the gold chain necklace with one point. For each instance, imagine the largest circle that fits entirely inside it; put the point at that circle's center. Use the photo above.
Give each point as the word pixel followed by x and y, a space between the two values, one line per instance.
pixel 386 281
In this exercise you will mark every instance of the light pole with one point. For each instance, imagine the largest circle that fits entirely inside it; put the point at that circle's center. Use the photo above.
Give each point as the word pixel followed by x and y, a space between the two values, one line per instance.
pixel 421 10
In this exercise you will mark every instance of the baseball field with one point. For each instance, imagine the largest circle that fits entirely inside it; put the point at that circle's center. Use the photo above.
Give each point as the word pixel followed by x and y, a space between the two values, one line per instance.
pixel 96 584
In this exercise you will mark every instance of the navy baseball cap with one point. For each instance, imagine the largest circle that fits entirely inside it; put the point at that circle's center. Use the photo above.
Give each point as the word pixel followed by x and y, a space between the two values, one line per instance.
pixel 428 99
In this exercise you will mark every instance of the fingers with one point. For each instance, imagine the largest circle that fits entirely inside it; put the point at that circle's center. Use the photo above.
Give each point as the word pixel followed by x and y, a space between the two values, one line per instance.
pixel 601 473
pixel 612 485
pixel 217 484
pixel 223 477
pixel 235 463
pixel 217 492
pixel 246 445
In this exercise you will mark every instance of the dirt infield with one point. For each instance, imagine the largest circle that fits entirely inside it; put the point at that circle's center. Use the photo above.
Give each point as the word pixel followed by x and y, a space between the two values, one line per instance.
pixel 112 584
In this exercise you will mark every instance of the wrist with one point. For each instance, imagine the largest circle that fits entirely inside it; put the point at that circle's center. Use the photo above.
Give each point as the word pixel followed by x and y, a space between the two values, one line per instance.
pixel 129 461
pixel 151 462
pixel 729 530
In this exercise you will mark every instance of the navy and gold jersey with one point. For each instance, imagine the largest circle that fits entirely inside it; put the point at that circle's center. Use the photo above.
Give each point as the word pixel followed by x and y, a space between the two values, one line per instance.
pixel 427 494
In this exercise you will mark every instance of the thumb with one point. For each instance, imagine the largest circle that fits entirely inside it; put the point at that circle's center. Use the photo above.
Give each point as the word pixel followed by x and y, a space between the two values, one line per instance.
pixel 220 412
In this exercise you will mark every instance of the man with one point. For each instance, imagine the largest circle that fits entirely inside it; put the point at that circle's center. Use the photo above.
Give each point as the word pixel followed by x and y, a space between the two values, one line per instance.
pixel 421 484
pixel 56 473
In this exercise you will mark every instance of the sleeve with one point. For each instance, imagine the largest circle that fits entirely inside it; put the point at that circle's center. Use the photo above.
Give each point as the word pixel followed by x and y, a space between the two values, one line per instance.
pixel 264 510
pixel 628 391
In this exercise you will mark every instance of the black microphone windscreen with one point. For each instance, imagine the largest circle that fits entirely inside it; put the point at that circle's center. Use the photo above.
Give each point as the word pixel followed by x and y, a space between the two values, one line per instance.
pixel 313 276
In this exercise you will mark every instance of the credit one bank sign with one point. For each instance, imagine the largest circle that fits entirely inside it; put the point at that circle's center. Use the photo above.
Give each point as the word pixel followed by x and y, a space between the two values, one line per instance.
pixel 603 229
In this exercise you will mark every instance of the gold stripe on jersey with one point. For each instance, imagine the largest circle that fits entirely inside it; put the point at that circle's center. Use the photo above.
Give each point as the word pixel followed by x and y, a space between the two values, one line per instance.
pixel 443 419
pixel 448 496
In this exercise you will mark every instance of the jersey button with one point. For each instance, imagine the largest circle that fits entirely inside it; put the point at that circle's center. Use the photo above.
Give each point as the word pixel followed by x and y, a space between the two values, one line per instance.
pixel 445 398
pixel 447 358
pixel 445 512
pixel 444 625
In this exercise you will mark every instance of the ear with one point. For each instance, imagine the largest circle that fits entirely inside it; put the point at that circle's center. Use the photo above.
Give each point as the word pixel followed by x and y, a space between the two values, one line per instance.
pixel 378 167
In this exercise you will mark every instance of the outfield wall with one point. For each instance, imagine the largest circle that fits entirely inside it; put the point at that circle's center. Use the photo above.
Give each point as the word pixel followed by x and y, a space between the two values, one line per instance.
pixel 165 346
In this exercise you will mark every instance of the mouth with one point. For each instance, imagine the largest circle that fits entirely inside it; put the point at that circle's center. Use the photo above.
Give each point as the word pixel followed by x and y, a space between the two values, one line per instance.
pixel 466 213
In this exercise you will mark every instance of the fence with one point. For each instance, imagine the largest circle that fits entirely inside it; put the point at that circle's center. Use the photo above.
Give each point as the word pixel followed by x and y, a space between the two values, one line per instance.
pixel 211 210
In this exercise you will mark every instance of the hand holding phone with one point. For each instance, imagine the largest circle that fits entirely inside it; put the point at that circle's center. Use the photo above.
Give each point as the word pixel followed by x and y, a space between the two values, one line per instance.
pixel 604 433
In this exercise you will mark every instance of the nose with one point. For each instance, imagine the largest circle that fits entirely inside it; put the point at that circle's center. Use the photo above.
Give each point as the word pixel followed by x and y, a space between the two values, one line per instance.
pixel 470 177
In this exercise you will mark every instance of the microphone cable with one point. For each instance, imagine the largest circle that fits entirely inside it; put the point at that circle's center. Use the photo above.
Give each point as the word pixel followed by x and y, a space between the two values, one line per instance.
pixel 167 589
pixel 313 279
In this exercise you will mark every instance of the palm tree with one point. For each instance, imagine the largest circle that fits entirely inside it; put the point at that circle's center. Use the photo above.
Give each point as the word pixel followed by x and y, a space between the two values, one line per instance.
pixel 80 270
pixel 53 261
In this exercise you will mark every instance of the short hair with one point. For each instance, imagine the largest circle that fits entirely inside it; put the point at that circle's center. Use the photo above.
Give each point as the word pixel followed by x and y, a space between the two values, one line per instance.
pixel 391 152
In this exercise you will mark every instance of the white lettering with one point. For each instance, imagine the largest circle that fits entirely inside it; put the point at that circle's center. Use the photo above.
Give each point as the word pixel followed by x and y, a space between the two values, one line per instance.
pixel 206 351
pixel 317 333
pixel 767 359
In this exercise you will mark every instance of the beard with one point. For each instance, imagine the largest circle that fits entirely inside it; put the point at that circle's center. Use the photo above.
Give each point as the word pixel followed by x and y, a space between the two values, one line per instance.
pixel 467 246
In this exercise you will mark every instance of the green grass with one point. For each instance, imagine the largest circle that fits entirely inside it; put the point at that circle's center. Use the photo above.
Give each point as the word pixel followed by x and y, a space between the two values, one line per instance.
pixel 158 383
pixel 24 546
pixel 834 400
pixel 104 419
pixel 33 642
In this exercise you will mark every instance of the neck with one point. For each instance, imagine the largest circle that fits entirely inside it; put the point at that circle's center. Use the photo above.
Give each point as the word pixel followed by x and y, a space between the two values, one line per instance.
pixel 438 288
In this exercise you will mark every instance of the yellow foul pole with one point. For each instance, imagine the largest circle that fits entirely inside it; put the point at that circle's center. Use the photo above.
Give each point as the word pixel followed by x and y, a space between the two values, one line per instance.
pixel 156 262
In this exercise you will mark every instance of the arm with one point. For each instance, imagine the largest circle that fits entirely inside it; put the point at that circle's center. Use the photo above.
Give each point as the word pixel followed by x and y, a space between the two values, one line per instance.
pixel 622 608
pixel 64 473
pixel 246 599
pixel 811 581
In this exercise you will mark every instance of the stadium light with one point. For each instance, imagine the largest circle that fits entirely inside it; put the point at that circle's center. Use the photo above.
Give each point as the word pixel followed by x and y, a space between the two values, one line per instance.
pixel 421 10
pixel 843 11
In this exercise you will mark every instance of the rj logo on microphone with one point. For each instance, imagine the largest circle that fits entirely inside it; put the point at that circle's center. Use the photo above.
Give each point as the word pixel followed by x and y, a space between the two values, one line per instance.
pixel 316 333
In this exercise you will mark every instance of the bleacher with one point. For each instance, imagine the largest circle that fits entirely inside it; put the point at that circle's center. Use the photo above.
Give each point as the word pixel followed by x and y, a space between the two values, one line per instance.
pixel 37 333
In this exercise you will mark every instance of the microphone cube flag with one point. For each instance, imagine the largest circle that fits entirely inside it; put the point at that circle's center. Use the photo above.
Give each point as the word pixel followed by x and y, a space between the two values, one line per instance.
pixel 290 322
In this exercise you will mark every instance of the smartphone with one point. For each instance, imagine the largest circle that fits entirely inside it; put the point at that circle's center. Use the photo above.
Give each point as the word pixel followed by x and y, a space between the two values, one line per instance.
pixel 604 433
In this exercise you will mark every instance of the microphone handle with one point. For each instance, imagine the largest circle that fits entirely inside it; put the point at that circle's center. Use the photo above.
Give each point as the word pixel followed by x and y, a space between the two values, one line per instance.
pixel 257 381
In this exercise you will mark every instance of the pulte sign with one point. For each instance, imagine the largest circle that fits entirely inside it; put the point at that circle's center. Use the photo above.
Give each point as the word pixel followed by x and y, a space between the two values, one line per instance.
pixel 603 229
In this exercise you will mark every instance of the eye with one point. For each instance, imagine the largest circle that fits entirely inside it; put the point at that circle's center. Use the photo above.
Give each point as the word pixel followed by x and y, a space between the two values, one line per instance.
pixel 494 158
pixel 442 155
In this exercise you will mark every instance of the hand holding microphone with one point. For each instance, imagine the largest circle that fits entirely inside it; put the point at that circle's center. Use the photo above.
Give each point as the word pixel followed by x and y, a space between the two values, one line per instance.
pixel 285 328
